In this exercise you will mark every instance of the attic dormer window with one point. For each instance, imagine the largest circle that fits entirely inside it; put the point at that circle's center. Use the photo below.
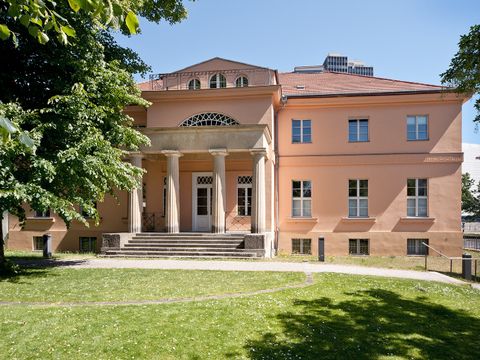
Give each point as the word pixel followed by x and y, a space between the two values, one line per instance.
pixel 242 81
pixel 218 81
pixel 194 84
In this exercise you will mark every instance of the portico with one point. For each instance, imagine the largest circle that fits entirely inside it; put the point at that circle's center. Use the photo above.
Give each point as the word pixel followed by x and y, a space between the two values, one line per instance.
pixel 227 169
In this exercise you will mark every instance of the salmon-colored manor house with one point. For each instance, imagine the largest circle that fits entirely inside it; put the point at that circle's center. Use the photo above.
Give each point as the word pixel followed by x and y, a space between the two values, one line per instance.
pixel 246 161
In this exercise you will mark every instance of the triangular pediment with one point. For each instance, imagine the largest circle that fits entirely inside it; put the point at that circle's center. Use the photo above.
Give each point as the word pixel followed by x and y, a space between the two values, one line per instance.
pixel 219 64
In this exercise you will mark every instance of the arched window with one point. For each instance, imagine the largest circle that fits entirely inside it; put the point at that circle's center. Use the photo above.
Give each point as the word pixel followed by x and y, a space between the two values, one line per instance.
pixel 194 84
pixel 242 81
pixel 218 81
pixel 209 119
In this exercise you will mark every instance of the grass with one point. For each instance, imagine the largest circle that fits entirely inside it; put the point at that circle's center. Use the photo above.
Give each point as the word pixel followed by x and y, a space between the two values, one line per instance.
pixel 339 316
pixel 63 284
pixel 36 255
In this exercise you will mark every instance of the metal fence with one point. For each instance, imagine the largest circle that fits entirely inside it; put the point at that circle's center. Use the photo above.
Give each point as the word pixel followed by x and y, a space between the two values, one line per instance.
pixel 453 266
pixel 471 242
pixel 471 227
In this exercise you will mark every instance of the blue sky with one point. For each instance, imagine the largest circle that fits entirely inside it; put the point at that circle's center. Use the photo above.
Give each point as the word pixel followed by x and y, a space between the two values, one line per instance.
pixel 408 40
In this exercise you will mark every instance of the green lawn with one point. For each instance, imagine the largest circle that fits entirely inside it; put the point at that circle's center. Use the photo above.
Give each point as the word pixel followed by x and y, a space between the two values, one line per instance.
pixel 63 284
pixel 339 316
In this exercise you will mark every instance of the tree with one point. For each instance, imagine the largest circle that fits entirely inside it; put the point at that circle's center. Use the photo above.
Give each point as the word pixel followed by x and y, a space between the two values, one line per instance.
pixel 470 198
pixel 68 99
pixel 43 17
pixel 464 71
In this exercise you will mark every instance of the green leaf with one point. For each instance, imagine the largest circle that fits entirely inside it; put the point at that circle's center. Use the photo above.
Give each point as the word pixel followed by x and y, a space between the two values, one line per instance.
pixel 7 125
pixel 62 37
pixel 69 31
pixel 33 30
pixel 14 10
pixel 4 32
pixel 25 19
pixel 132 22
pixel 26 140
pixel 36 21
pixel 74 4
pixel 42 38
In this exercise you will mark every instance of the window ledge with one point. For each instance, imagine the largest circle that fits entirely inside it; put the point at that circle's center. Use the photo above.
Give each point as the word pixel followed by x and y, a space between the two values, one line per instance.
pixel 46 218
pixel 417 219
pixel 302 219
pixel 359 219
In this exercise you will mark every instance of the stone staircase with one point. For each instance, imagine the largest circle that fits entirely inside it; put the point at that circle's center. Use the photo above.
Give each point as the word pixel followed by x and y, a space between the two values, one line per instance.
pixel 184 245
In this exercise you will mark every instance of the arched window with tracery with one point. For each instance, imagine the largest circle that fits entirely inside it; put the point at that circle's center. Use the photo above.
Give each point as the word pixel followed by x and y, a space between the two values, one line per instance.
pixel 218 81
pixel 194 84
pixel 210 119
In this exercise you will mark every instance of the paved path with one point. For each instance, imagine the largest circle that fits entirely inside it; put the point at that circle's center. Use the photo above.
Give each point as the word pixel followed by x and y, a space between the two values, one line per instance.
pixel 256 266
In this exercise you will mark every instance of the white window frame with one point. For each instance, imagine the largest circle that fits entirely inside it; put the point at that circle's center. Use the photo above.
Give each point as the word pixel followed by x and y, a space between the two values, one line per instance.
pixel 302 131
pixel 416 127
pixel 242 79
pixel 217 81
pixel 418 243
pixel 34 239
pixel 357 121
pixel 89 238
pixel 357 199
pixel 302 242
pixel 417 197
pixel 248 203
pixel 358 247
pixel 194 83
pixel 42 214
pixel 302 199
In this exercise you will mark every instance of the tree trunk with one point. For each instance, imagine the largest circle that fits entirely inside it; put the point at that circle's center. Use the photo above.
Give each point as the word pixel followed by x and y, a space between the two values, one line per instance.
pixel 2 251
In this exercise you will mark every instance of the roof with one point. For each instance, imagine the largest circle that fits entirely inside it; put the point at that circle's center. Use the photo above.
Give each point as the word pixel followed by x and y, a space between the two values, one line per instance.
pixel 333 83
pixel 145 85
pixel 220 59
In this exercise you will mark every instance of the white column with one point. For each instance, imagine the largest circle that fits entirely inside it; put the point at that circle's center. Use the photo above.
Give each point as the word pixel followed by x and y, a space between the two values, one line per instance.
pixel 219 190
pixel 172 211
pixel 135 200
pixel 258 191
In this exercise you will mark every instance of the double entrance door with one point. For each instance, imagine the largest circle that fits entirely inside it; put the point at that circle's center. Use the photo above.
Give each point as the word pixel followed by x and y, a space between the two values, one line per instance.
pixel 202 201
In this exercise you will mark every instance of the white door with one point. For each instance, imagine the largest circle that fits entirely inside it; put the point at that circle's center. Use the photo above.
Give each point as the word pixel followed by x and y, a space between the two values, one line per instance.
pixel 202 201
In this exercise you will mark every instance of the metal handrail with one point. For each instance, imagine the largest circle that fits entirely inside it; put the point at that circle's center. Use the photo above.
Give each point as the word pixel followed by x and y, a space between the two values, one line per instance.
pixel 438 252
pixel 450 258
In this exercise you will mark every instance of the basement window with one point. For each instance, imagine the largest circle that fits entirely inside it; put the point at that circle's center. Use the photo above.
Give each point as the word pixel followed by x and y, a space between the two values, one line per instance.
pixel 88 244
pixel 302 246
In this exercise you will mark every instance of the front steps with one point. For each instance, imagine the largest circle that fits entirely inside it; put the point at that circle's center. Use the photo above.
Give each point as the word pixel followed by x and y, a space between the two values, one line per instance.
pixel 184 245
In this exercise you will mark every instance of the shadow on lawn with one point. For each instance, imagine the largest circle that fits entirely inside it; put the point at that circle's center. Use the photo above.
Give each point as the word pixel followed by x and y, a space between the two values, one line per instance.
pixel 375 323
pixel 20 268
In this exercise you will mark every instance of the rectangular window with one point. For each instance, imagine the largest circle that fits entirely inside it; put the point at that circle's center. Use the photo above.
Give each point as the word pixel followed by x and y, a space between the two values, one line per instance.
pixel 417 198
pixel 38 243
pixel 302 246
pixel 357 198
pixel 42 214
pixel 417 127
pixel 301 131
pixel 244 195
pixel 301 198
pixel 358 130
pixel 358 247
pixel 88 244
pixel 417 247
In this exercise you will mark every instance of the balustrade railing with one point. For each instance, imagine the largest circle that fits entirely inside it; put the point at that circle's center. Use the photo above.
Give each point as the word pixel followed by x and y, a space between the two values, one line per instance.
pixel 181 80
